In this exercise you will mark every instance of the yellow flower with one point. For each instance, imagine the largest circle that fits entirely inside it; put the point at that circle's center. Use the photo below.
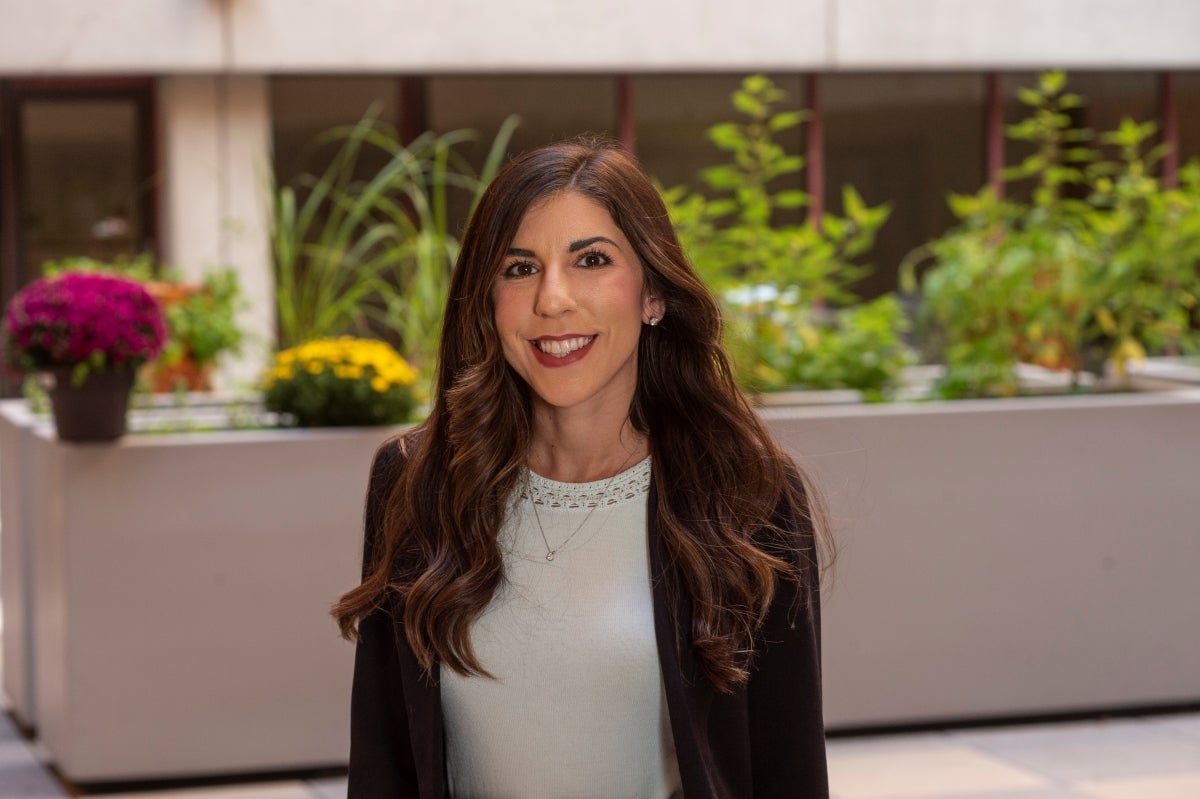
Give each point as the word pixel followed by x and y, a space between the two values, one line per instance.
pixel 348 371
pixel 348 358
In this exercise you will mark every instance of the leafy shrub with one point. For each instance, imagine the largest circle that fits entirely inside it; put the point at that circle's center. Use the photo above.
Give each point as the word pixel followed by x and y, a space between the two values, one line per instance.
pixel 1100 263
pixel 202 324
pixel 860 348
pixel 775 273
pixel 354 254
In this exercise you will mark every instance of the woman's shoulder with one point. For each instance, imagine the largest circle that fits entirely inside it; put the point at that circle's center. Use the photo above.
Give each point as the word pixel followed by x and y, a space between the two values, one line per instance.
pixel 391 456
pixel 795 521
pixel 387 466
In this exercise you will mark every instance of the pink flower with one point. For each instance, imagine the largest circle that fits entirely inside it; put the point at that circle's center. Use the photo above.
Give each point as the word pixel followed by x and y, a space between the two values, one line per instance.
pixel 81 316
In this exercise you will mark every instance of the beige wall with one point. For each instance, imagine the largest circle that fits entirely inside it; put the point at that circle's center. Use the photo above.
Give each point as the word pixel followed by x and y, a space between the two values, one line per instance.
pixel 216 115
pixel 919 34
pixel 66 36
pixel 215 145
pixel 179 36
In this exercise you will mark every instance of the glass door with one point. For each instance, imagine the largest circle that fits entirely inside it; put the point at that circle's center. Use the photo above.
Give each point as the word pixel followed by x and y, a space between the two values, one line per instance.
pixel 76 174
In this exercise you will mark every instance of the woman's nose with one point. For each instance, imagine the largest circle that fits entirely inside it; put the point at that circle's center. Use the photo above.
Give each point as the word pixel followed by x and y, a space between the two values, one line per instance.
pixel 554 296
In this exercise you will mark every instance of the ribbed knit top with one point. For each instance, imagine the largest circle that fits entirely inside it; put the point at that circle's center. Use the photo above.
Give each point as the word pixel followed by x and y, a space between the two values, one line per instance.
pixel 577 708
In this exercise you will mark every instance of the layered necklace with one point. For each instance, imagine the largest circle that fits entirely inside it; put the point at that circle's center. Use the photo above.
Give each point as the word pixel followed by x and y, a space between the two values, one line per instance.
pixel 603 492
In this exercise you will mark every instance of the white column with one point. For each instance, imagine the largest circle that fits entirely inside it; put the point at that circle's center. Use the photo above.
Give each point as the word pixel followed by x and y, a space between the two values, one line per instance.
pixel 215 143
pixel 246 215
pixel 189 187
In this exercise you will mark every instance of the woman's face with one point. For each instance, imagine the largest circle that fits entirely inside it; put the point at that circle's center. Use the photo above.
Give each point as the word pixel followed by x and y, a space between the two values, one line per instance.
pixel 569 305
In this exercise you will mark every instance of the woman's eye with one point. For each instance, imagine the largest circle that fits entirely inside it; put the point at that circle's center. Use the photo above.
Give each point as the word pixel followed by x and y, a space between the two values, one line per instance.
pixel 592 260
pixel 520 269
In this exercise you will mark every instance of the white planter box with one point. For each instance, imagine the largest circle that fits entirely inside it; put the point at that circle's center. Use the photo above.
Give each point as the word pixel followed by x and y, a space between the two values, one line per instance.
pixel 1162 372
pixel 1007 557
pixel 181 592
pixel 17 489
pixel 998 558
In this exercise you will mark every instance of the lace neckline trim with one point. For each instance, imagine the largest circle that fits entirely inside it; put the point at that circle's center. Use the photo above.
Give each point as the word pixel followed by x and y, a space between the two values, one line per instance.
pixel 623 487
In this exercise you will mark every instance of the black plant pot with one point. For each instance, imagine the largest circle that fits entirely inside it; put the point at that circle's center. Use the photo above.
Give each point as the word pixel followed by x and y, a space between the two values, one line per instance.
pixel 95 409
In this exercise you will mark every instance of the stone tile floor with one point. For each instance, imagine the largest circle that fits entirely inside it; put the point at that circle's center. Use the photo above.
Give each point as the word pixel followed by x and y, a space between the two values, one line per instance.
pixel 1152 757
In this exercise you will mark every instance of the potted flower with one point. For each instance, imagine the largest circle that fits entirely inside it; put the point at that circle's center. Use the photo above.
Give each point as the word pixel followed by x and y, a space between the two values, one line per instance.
pixel 200 317
pixel 202 326
pixel 86 333
pixel 341 382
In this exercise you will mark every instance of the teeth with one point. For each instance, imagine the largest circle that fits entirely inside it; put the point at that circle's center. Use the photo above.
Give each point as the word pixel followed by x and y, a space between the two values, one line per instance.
pixel 563 348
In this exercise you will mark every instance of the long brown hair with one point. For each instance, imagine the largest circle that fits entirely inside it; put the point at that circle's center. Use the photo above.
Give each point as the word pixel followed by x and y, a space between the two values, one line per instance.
pixel 720 479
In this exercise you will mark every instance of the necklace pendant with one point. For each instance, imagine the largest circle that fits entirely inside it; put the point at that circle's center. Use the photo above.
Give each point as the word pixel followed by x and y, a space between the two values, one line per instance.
pixel 550 555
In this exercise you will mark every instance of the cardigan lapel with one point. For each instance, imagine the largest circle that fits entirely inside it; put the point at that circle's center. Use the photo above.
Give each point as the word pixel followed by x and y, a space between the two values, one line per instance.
pixel 423 702
pixel 689 694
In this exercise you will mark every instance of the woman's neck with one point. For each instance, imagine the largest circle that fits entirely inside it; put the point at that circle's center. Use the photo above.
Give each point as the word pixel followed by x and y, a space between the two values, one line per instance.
pixel 584 451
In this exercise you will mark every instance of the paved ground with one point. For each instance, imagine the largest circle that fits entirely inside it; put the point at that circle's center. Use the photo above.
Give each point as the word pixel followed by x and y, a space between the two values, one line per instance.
pixel 1156 757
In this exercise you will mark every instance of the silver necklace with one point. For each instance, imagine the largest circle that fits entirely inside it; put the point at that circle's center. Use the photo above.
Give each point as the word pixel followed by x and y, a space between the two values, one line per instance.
pixel 608 484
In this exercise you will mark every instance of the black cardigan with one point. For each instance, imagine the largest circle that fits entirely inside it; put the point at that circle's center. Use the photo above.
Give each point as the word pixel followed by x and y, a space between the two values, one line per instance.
pixel 766 739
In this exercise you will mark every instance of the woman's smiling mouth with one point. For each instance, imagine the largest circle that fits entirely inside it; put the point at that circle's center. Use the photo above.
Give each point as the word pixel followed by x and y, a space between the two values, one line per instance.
pixel 561 351
pixel 561 348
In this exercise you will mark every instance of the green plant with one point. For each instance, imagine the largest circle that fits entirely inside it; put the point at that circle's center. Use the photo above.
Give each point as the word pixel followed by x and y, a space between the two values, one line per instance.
pixel 349 251
pixel 771 269
pixel 340 382
pixel 202 322
pixel 135 267
pixel 1147 240
pixel 1099 262
pixel 862 348
pixel 201 316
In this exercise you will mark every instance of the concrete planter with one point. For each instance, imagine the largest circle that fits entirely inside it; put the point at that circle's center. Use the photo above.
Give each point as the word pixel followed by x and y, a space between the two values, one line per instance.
pixel 180 594
pixel 1165 371
pixel 998 558
pixel 17 498
pixel 1007 557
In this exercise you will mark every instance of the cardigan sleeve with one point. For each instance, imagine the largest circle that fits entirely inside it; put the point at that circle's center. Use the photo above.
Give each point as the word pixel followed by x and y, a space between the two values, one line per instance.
pixel 381 752
pixel 787 731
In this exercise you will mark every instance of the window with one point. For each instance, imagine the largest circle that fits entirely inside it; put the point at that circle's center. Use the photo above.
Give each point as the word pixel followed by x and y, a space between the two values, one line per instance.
pixel 76 174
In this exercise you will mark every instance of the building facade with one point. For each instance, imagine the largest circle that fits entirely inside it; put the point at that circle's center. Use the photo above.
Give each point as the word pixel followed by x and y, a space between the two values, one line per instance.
pixel 154 125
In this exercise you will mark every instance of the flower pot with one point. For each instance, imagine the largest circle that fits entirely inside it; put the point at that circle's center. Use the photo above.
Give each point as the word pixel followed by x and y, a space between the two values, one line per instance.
pixel 95 409
pixel 184 373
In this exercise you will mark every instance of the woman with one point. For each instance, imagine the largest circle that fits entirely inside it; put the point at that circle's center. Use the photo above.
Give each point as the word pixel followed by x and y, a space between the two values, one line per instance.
pixel 590 572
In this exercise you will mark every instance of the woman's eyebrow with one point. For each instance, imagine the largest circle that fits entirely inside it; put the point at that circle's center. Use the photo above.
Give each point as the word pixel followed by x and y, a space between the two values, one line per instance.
pixel 576 246
pixel 520 252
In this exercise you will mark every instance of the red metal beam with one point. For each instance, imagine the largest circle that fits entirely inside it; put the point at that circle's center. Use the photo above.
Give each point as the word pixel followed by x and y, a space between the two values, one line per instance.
pixel 414 108
pixel 815 151
pixel 626 124
pixel 1168 113
pixel 994 133
pixel 150 171
pixel 11 274
pixel 10 251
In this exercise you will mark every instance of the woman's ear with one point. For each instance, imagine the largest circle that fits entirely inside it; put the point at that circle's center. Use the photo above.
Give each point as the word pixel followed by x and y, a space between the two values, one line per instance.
pixel 653 310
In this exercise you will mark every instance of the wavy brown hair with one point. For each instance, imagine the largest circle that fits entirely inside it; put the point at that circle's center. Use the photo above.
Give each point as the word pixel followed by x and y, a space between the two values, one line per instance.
pixel 721 481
